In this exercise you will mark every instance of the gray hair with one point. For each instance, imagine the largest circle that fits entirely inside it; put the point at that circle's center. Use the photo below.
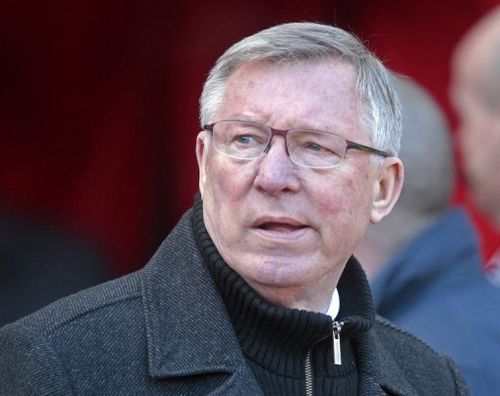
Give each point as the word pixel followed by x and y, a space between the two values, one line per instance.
pixel 295 42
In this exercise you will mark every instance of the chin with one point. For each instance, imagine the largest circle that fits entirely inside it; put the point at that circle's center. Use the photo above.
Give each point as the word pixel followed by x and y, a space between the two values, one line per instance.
pixel 281 273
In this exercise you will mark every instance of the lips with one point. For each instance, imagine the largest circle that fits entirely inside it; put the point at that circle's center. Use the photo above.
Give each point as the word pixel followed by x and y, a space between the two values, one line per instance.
pixel 280 227
pixel 279 224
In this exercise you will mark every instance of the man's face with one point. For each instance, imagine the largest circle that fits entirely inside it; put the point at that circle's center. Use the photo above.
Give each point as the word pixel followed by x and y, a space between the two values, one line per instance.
pixel 281 226
pixel 478 132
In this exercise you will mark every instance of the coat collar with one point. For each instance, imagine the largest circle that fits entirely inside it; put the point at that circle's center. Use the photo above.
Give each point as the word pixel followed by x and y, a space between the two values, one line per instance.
pixel 190 333
pixel 187 327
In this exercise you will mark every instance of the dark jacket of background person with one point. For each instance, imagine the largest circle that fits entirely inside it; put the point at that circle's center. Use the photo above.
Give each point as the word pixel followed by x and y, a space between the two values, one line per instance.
pixel 435 288
pixel 166 330
pixel 40 263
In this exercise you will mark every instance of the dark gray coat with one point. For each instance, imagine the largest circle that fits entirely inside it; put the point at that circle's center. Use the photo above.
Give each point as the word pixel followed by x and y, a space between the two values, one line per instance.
pixel 165 330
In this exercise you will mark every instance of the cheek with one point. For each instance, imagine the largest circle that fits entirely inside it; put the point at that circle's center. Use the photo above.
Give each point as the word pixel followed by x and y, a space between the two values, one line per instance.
pixel 224 185
pixel 344 209
pixel 335 206
pixel 227 182
pixel 349 195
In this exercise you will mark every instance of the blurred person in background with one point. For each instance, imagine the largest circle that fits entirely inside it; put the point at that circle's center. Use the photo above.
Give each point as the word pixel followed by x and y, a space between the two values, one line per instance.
pixel 475 94
pixel 424 260
pixel 40 263
pixel 256 290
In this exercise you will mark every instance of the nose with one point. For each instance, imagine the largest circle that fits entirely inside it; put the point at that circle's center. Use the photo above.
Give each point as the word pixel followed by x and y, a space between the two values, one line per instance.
pixel 276 173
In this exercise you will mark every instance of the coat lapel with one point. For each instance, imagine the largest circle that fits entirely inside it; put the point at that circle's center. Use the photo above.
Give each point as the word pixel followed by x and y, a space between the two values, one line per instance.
pixel 187 326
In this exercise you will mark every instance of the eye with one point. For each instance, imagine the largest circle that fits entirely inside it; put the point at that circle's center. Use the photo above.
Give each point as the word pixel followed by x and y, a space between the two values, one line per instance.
pixel 244 139
pixel 246 135
pixel 316 143
pixel 308 146
pixel 314 146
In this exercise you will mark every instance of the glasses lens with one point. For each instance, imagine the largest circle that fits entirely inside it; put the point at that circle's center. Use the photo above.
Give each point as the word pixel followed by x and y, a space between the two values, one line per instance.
pixel 316 149
pixel 240 139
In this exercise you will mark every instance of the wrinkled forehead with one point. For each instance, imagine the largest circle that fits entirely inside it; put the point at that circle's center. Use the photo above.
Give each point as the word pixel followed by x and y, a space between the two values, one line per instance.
pixel 280 79
pixel 304 84
pixel 292 65
pixel 332 69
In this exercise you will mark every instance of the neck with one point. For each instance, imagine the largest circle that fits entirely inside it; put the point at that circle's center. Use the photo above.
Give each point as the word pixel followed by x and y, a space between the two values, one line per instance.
pixel 314 298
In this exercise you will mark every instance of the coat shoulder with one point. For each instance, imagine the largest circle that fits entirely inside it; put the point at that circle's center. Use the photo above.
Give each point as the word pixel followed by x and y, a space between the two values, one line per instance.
pixel 416 360
pixel 82 305
pixel 41 353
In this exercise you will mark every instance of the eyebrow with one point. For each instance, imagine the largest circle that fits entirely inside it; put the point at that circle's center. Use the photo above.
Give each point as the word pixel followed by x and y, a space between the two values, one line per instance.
pixel 244 117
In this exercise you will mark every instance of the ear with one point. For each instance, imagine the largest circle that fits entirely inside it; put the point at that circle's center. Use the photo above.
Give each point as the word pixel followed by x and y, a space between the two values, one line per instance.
pixel 387 188
pixel 201 157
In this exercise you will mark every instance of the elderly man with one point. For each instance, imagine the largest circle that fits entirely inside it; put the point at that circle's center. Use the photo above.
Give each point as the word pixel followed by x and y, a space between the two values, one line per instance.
pixel 475 93
pixel 255 291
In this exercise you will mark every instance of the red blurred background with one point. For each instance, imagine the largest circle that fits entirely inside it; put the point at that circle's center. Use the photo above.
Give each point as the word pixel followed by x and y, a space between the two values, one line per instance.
pixel 99 100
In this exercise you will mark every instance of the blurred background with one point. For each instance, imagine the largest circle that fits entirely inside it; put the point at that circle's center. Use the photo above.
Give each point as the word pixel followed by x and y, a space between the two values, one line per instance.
pixel 99 103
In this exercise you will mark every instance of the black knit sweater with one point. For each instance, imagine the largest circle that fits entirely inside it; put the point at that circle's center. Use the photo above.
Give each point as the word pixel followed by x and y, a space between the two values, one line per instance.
pixel 277 341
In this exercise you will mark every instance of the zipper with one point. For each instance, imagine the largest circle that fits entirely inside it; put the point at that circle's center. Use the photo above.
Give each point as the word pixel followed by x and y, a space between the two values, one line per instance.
pixel 337 354
pixel 308 374
pixel 337 357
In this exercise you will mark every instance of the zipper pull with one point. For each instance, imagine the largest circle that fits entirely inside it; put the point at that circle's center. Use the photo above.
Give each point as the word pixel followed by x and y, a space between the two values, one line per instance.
pixel 337 355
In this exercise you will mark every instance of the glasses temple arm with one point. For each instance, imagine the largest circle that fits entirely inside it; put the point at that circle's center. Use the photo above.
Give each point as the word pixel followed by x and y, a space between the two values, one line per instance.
pixel 367 149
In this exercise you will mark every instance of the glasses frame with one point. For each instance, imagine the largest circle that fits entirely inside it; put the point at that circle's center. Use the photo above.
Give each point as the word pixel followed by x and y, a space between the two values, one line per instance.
pixel 284 132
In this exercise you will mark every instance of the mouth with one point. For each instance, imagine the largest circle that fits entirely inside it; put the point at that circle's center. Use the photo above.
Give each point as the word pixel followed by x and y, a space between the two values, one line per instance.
pixel 280 227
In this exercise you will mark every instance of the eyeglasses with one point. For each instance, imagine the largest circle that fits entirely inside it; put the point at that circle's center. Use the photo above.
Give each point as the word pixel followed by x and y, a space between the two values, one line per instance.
pixel 310 148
